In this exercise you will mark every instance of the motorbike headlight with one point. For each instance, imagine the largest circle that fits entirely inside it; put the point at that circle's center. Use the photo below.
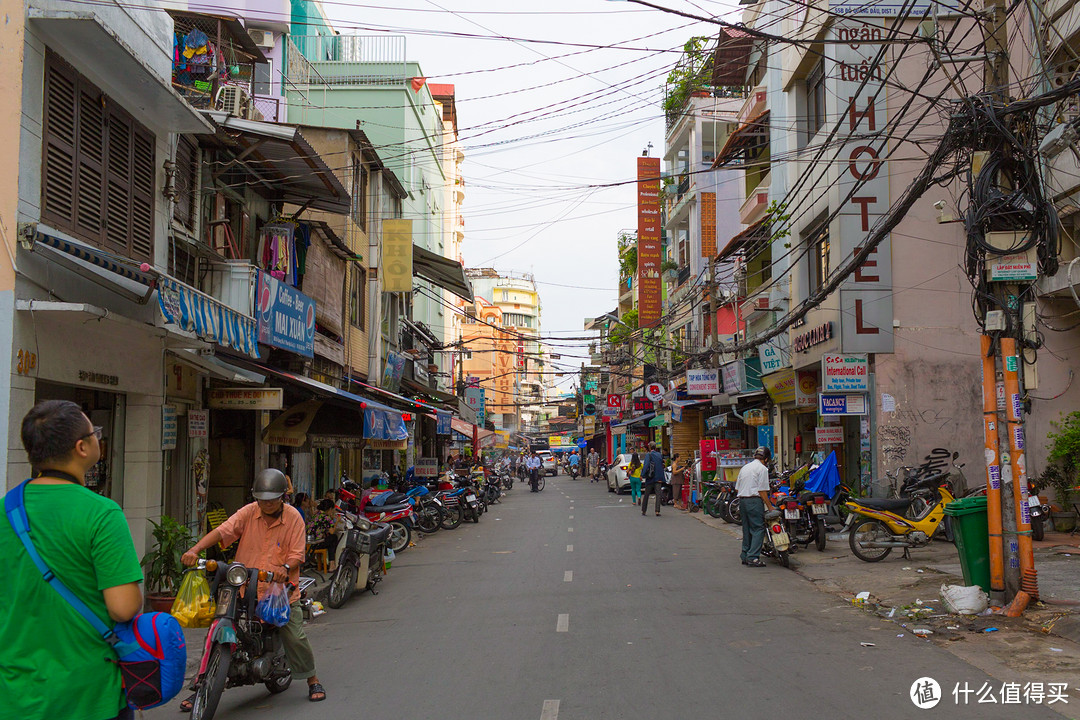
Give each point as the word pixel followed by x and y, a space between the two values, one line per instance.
pixel 236 574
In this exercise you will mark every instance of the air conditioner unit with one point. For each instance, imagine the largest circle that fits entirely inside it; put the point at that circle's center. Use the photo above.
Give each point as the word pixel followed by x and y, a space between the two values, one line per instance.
pixel 262 38
pixel 234 100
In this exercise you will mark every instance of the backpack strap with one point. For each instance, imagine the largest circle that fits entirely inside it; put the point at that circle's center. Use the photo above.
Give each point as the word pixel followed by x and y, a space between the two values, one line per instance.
pixel 16 515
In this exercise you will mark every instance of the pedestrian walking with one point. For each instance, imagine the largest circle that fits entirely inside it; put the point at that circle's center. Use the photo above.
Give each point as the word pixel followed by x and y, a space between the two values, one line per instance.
pixel 633 472
pixel 677 471
pixel 652 477
pixel 54 664
pixel 594 464
pixel 752 487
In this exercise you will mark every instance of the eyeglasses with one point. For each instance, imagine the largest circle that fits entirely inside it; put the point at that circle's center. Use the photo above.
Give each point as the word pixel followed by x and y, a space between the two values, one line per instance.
pixel 96 432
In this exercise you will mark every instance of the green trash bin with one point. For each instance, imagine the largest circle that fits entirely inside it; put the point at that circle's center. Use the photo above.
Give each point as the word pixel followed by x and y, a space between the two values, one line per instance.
pixel 972 535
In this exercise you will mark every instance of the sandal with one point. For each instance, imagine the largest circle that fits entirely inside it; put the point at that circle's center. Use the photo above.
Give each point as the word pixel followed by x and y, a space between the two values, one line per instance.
pixel 316 689
pixel 188 704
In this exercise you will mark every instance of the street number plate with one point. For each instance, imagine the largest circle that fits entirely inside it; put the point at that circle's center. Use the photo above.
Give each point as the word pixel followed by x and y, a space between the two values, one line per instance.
pixel 470 498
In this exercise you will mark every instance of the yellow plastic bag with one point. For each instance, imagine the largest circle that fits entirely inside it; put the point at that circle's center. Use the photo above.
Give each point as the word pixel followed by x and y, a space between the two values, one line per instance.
pixel 194 605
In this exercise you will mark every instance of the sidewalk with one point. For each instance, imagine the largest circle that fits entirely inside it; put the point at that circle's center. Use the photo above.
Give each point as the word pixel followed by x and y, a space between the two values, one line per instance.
pixel 1043 645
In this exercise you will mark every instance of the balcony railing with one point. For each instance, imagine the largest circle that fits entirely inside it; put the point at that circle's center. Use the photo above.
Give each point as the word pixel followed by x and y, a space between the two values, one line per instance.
pixel 683 276
pixel 348 59
pixel 268 108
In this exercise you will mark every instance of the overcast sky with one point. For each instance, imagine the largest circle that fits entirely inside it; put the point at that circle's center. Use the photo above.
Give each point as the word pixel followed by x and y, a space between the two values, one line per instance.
pixel 540 136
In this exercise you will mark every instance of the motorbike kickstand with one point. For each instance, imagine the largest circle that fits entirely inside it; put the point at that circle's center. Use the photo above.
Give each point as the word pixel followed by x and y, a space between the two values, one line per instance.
pixel 907 553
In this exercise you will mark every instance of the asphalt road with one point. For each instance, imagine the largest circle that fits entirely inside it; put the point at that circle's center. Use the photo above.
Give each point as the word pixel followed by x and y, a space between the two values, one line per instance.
pixel 569 605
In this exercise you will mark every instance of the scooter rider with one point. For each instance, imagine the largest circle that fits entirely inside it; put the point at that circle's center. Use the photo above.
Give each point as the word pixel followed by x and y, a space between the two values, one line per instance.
pixel 272 537
pixel 574 462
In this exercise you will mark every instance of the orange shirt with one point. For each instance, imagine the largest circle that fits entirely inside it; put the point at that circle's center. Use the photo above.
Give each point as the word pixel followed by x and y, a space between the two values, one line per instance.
pixel 267 543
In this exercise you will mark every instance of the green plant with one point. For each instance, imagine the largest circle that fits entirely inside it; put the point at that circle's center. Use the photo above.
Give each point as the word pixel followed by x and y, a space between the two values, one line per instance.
pixel 162 564
pixel 689 74
pixel 668 265
pixel 1063 470
pixel 621 333
pixel 628 262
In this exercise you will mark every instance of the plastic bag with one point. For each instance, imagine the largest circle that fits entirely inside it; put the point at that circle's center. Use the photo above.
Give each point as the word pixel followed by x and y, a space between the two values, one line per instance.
pixel 388 558
pixel 194 605
pixel 274 607
pixel 962 600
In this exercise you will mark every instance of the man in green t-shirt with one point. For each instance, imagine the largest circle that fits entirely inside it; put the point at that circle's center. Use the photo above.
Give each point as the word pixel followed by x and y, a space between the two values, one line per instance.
pixel 52 662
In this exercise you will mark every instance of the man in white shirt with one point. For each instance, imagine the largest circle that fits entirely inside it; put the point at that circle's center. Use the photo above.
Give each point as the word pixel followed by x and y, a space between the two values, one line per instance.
pixel 533 464
pixel 752 487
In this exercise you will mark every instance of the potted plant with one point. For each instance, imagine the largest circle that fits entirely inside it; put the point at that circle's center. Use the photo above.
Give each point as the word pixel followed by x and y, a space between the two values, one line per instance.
pixel 162 563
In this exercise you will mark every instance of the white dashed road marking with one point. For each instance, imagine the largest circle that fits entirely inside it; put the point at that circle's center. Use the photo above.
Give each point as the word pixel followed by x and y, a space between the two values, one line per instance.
pixel 569 529
pixel 568 576
pixel 550 711
pixel 564 623
pixel 569 548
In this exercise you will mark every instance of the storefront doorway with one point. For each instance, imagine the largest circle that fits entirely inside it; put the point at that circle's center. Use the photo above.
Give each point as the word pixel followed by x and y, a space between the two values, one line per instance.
pixel 107 410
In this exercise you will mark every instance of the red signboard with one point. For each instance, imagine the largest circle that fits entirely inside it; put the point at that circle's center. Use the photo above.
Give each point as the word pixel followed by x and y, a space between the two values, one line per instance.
pixel 614 401
pixel 643 405
pixel 648 242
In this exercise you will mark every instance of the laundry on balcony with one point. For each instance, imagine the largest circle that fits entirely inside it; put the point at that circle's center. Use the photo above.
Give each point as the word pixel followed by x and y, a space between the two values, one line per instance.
pixel 744 143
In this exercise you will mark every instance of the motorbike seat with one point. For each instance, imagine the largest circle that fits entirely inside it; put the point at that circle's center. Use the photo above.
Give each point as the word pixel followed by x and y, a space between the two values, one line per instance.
pixel 886 504
pixel 397 507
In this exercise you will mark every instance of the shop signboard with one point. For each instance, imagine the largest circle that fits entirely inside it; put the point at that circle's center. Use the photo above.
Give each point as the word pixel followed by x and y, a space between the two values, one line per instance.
pixel 589 408
pixel 198 423
pixel 442 422
pixel 654 391
pixel 765 436
pixel 756 417
pixel 649 251
pixel 702 381
pixel 427 467
pixel 829 435
pixel 806 389
pixel 774 355
pixel 243 398
pixel 841 404
pixel 396 273
pixel 730 376
pixel 780 386
pixel 168 427
pixel 286 316
pixel 614 402
pixel 716 422
pixel 844 373
pixel 643 405
pixel 610 412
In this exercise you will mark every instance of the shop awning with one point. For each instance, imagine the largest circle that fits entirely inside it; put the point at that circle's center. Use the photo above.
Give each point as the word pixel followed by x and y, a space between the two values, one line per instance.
pixel 119 275
pixel 462 427
pixel 288 168
pixel 443 398
pixel 219 369
pixel 210 319
pixel 380 422
pixel 444 272
pixel 634 420
pixel 677 406
pixel 752 235
pixel 732 57
pixel 750 135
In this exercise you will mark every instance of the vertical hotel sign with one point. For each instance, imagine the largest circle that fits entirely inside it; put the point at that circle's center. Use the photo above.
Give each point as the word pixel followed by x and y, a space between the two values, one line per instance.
pixel 648 241
pixel 708 225
pixel 397 255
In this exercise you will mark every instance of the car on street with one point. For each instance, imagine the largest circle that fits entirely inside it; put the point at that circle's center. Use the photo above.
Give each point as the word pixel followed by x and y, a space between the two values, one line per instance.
pixel 617 480
pixel 548 463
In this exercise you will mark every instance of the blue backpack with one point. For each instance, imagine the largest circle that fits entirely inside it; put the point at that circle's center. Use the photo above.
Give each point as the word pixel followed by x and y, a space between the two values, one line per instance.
pixel 150 647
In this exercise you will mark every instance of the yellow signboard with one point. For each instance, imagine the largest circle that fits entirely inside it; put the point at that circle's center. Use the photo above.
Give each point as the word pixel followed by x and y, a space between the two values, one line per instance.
pixel 780 386
pixel 397 256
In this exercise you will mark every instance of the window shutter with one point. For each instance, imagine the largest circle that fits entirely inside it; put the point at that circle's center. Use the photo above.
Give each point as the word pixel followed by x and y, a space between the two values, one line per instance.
pixel 90 154
pixel 118 187
pixel 142 196
pixel 58 176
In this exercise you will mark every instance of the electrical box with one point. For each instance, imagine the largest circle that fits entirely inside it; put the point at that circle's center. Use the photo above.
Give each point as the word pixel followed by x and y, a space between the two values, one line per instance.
pixel 995 321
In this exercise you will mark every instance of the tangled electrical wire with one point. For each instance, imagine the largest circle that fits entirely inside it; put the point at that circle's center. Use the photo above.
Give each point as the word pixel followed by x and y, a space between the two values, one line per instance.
pixel 1006 196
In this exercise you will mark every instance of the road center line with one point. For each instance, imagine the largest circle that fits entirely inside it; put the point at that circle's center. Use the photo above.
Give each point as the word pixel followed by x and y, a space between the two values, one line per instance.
pixel 569 548
pixel 568 576
pixel 571 517
pixel 564 623
pixel 569 529
pixel 550 711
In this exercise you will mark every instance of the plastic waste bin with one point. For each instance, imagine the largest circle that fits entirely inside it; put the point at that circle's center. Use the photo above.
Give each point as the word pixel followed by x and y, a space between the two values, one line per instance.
pixel 972 535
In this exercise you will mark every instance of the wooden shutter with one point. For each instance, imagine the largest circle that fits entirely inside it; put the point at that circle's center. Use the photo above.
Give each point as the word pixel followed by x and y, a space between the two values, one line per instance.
pixel 58 173
pixel 142 195
pixel 185 182
pixel 118 186
pixel 90 155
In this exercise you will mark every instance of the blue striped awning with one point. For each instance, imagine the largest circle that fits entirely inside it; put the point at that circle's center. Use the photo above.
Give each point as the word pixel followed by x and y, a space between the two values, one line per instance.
pixel 210 319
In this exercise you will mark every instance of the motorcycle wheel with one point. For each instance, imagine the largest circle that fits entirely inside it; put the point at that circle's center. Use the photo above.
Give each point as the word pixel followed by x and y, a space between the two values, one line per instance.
pixel 819 533
pixel 784 559
pixel 428 519
pixel 452 517
pixel 1038 532
pixel 400 535
pixel 866 530
pixel 713 506
pixel 508 482
pixel 209 692
pixel 342 584
pixel 279 684
pixel 734 515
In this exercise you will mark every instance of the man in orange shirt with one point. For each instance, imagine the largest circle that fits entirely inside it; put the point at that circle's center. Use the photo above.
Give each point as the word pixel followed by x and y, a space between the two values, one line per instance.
pixel 272 537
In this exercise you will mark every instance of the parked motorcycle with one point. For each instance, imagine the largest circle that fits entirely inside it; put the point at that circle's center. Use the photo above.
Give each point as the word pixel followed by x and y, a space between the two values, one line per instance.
pixel 882 523
pixel 240 649
pixel 393 510
pixel 361 556
pixel 777 542
pixel 804 514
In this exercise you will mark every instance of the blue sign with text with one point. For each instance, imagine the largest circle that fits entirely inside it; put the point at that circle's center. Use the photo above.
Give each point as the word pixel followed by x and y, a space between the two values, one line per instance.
pixel 286 316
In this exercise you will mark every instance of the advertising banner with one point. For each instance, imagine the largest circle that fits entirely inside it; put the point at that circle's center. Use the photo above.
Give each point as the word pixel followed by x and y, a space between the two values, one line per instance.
pixel 286 316
pixel 702 381
pixel 841 404
pixel 648 242
pixel 844 373
pixel 242 398
pixel 169 427
pixel 198 423
pixel 831 435
pixel 780 386
pixel 395 366
pixel 774 355
pixel 397 255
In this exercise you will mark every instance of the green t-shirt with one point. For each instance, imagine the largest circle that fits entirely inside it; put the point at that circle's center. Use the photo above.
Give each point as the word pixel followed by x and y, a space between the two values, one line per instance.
pixel 52 662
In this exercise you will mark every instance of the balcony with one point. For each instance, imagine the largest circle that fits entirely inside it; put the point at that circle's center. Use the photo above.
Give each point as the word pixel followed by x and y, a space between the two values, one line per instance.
pixel 347 60
pixel 756 203
pixel 269 109
pixel 754 105
pixel 766 299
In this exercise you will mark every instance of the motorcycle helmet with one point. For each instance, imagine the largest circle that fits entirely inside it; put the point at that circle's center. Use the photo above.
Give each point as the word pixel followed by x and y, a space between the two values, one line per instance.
pixel 270 484
pixel 763 452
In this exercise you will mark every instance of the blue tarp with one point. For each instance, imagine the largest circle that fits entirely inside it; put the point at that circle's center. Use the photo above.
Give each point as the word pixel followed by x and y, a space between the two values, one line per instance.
pixel 825 478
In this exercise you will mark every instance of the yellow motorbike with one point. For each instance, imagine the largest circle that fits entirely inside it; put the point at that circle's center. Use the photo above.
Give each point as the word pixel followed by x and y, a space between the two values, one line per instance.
pixel 882 523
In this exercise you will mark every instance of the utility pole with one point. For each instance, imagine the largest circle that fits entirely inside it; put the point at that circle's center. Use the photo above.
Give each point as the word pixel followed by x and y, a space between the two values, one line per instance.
pixel 1011 557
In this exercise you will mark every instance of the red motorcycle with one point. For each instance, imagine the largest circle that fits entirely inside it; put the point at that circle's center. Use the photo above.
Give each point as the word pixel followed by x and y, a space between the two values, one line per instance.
pixel 392 509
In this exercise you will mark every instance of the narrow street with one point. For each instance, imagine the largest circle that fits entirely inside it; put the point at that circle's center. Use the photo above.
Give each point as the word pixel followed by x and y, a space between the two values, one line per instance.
pixel 572 596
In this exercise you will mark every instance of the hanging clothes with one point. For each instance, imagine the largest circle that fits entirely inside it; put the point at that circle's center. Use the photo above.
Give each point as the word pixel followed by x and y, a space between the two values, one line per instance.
pixel 277 250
